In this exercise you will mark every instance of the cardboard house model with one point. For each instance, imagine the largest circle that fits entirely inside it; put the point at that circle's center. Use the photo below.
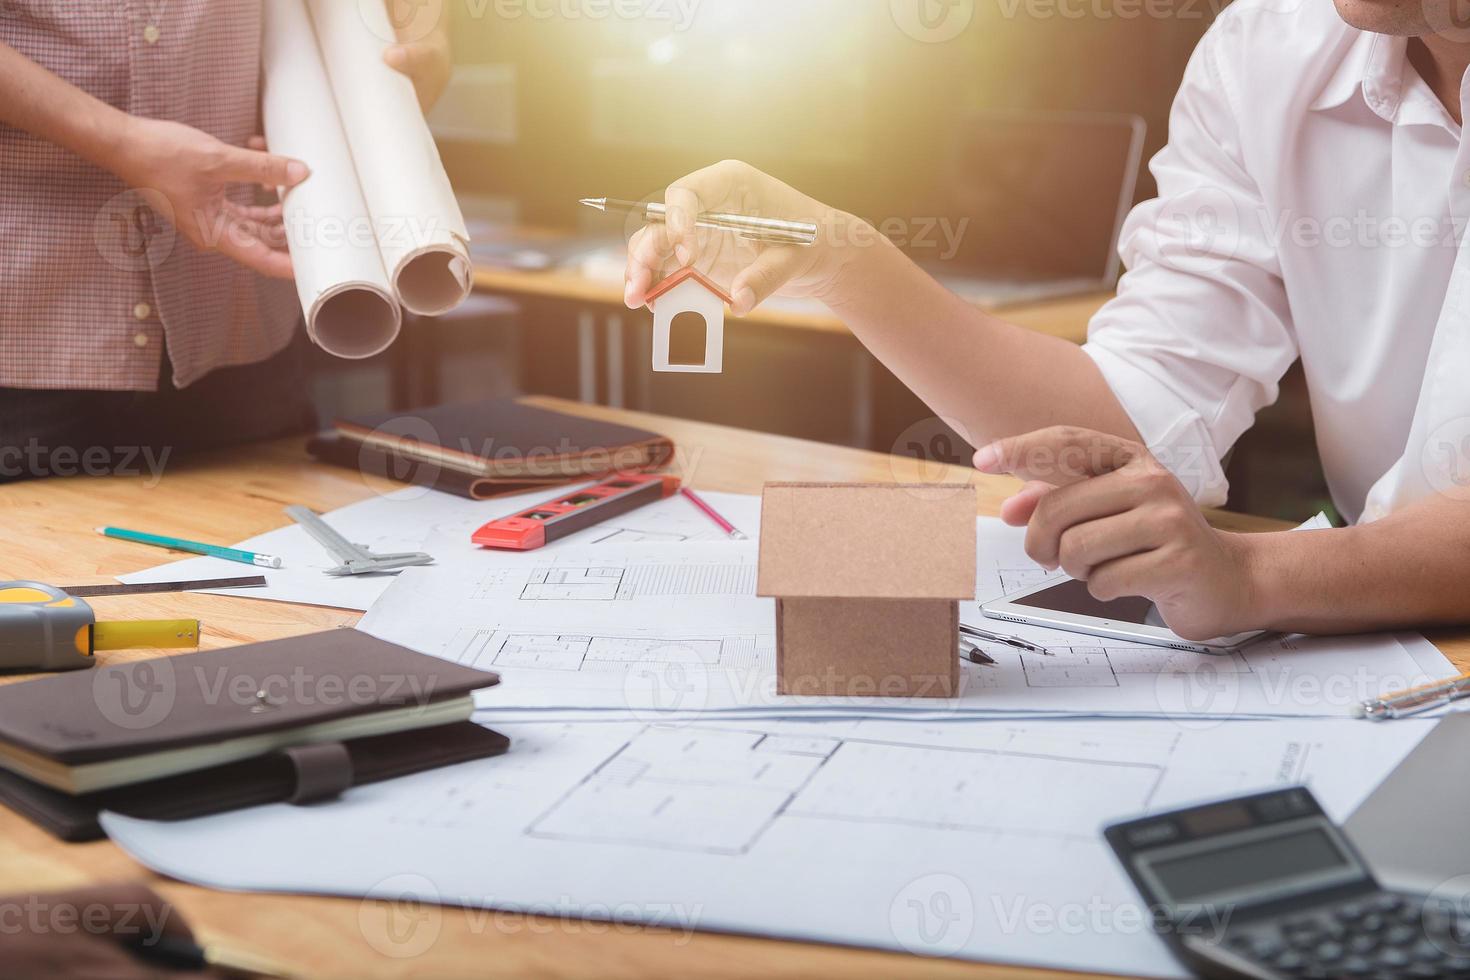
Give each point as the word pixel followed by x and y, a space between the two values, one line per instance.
pixel 867 579
pixel 688 291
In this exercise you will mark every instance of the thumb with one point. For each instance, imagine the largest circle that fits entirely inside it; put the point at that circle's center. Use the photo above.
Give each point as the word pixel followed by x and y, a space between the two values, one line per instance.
pixel 265 169
pixel 771 270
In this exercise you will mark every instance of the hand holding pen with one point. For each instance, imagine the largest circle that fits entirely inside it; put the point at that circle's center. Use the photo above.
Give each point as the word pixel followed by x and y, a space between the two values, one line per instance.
pixel 753 270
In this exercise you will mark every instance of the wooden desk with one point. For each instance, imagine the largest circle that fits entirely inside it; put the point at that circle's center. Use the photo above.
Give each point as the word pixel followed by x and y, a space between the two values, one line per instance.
pixel 1066 318
pixel 609 336
pixel 46 533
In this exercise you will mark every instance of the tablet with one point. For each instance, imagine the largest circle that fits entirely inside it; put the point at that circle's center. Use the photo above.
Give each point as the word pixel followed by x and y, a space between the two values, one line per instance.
pixel 1063 603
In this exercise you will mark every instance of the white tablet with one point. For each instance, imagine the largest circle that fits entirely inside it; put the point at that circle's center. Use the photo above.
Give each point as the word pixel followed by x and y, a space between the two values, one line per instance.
pixel 1063 603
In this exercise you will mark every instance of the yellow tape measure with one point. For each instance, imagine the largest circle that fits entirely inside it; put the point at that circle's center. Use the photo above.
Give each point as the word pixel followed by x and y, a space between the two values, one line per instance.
pixel 43 628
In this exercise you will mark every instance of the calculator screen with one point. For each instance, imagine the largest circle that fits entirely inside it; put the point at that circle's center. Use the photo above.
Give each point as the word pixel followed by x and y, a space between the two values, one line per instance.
pixel 1264 862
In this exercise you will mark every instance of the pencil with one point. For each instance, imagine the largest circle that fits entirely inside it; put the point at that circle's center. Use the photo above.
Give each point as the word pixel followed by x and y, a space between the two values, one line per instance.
pixel 193 547
pixel 730 529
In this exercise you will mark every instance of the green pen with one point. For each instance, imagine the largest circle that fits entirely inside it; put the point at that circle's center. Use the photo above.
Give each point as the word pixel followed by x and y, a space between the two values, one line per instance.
pixel 194 547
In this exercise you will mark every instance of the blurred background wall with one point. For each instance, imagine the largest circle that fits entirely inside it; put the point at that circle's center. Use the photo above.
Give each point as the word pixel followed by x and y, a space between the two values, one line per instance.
pixel 864 104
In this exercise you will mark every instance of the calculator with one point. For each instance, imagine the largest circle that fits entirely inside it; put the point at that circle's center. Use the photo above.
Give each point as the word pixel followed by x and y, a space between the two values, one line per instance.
pixel 1267 886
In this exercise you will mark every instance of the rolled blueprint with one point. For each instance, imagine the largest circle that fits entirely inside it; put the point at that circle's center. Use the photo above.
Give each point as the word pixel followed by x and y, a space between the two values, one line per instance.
pixel 420 230
pixel 346 294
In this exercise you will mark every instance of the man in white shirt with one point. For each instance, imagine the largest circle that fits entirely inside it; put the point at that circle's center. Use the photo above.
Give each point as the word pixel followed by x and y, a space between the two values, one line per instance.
pixel 1312 202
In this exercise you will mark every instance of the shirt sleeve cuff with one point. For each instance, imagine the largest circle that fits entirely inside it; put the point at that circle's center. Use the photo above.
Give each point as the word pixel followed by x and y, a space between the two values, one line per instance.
pixel 1171 429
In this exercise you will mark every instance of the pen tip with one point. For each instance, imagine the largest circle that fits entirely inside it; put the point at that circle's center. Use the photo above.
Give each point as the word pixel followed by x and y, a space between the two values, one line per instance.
pixel 600 203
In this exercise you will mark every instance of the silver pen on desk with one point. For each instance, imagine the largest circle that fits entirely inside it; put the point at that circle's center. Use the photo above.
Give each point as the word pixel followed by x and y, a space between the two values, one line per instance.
pixel 1414 700
pixel 773 231
pixel 1010 641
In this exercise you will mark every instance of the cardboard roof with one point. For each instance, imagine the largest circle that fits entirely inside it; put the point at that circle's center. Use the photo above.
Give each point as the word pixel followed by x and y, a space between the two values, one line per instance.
pixel 683 275
pixel 880 541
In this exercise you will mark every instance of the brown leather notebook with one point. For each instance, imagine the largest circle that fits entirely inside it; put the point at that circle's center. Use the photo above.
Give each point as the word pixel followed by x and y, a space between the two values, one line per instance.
pixel 340 451
pixel 515 447
pixel 274 778
pixel 128 723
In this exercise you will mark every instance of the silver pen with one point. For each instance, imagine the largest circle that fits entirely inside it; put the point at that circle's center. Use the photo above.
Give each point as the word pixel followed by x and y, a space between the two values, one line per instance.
pixel 772 231
pixel 1414 700
pixel 1010 641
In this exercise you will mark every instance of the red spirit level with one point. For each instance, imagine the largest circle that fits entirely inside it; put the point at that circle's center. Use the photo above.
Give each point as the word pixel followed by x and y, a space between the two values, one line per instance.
pixel 558 518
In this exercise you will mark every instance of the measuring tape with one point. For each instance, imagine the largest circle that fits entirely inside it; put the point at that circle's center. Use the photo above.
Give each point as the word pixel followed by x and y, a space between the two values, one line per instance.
pixel 44 628
pixel 535 527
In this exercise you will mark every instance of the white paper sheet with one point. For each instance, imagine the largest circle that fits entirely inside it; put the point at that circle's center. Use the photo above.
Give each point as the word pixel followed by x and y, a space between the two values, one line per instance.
pixel 979 841
pixel 350 307
pixel 419 226
pixel 414 519
pixel 376 227
pixel 588 628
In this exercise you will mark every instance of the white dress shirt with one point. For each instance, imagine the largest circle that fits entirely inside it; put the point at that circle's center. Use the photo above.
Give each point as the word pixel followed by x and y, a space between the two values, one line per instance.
pixel 1312 201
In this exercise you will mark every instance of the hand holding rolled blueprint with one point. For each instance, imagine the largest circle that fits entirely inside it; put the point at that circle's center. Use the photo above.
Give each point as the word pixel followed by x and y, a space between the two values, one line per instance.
pixel 376 228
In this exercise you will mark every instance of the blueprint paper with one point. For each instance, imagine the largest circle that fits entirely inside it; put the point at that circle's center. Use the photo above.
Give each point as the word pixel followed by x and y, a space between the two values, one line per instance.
pixel 419 227
pixel 637 627
pixel 977 841
pixel 376 228
pixel 417 519
pixel 345 293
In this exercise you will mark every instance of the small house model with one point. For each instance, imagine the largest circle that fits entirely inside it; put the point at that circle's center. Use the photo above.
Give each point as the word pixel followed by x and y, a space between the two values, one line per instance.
pixel 689 291
pixel 867 579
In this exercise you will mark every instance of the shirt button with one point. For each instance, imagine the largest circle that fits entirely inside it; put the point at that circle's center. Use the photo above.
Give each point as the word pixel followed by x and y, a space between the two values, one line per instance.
pixel 1467 178
pixel 140 340
pixel 142 311
pixel 151 34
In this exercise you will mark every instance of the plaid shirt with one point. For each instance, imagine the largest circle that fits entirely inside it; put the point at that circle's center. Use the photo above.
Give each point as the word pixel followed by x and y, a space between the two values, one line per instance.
pixel 93 284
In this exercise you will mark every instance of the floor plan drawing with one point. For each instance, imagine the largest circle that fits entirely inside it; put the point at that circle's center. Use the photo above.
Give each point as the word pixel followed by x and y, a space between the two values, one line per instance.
pixel 816 830
pixel 716 790
pixel 609 582
pixel 491 648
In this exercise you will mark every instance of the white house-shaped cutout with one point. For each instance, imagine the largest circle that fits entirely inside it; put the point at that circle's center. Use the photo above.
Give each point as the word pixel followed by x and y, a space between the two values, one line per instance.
pixel 689 291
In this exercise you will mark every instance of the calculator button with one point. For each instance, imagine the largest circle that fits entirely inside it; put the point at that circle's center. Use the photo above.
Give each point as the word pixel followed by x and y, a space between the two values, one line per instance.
pixel 1372 922
pixel 1401 935
pixel 1329 951
pixel 1290 961
pixel 1387 903
pixel 1393 958
pixel 1355 966
pixel 1427 952
pixel 1305 938
pixel 1362 943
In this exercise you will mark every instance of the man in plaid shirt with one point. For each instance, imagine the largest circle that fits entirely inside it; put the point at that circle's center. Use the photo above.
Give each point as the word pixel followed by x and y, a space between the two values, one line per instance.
pixel 145 298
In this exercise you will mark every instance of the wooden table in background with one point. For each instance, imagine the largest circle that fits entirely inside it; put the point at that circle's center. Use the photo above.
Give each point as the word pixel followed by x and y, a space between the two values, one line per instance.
pixel 609 335
pixel 46 533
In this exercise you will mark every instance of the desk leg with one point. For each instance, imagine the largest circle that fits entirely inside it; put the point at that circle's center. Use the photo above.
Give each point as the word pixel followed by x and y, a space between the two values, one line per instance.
pixel 862 398
pixel 587 357
pixel 615 351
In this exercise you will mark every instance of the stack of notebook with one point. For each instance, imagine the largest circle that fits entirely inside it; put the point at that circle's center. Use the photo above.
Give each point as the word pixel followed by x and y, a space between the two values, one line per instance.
pixel 297 720
pixel 489 448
